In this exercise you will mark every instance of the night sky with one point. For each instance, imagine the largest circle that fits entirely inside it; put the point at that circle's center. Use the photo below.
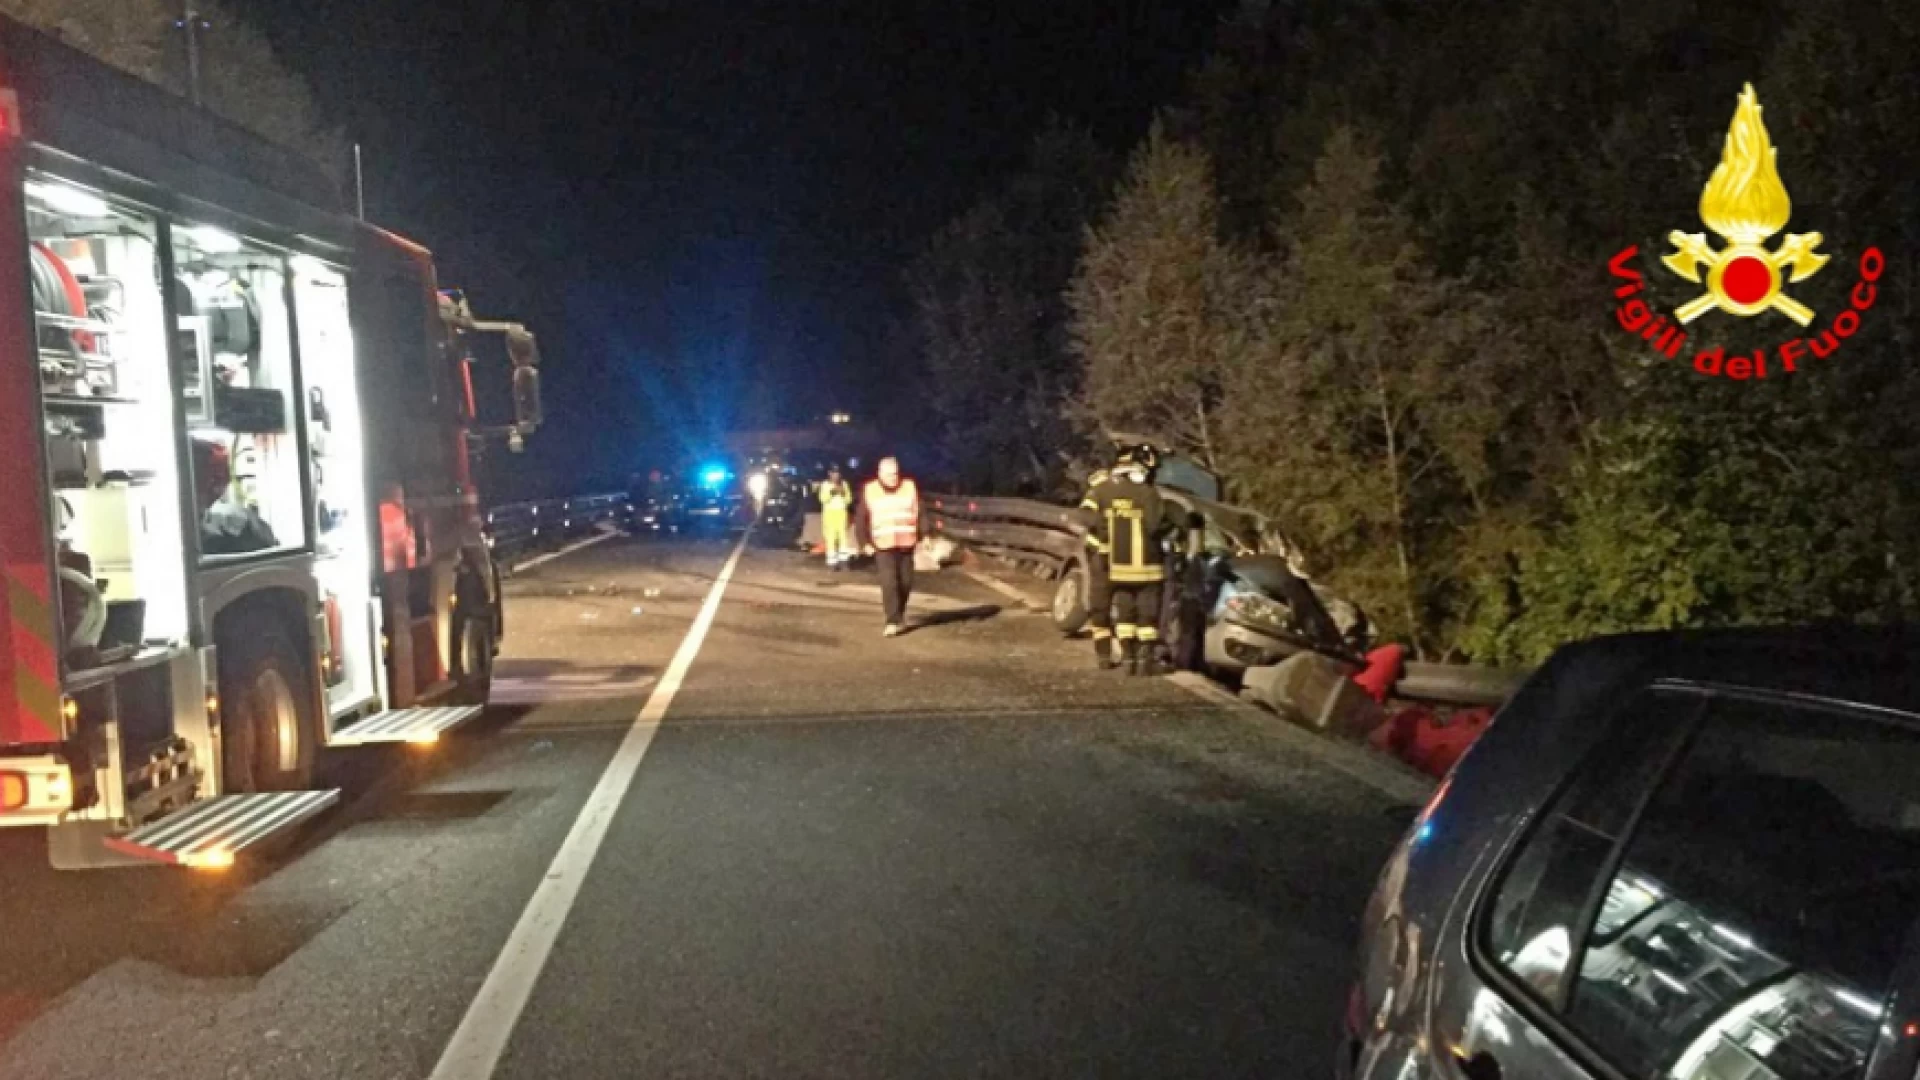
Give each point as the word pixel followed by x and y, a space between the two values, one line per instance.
pixel 703 207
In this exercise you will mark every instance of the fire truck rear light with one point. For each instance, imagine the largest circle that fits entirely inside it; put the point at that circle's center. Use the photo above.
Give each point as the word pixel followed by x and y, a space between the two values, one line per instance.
pixel 35 786
pixel 70 709
pixel 9 115
pixel 210 859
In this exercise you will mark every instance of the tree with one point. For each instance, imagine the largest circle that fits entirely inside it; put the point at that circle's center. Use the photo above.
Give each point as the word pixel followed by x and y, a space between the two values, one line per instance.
pixel 989 319
pixel 1403 347
pixel 1159 303
pixel 1359 412
pixel 241 78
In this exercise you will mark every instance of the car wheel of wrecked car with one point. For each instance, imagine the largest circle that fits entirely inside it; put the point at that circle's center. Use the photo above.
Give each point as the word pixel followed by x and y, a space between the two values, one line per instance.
pixel 1070 598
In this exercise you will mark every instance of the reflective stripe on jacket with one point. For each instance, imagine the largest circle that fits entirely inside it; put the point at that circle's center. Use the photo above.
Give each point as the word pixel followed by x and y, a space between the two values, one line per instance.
pixel 1091 506
pixel 1133 524
pixel 893 517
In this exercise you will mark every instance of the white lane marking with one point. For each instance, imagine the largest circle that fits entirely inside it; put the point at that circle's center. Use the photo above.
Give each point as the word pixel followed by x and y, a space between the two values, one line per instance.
pixel 539 560
pixel 474 1051
pixel 1002 588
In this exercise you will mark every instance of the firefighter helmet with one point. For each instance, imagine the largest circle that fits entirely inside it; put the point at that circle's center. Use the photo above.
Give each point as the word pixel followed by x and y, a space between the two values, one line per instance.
pixel 1143 456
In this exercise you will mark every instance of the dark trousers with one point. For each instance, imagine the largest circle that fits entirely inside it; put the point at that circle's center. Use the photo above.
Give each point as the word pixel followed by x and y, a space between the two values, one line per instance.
pixel 1099 598
pixel 896 582
pixel 1136 610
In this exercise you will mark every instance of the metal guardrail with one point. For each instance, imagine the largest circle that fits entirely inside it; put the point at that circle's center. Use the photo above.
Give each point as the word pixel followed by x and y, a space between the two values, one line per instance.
pixel 518 528
pixel 1020 529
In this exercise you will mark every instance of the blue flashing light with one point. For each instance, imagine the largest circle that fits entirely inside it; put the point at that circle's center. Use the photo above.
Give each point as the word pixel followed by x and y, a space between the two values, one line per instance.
pixel 1424 834
pixel 713 475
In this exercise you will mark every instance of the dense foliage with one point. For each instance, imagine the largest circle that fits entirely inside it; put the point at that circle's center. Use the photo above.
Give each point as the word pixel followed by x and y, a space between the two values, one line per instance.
pixel 240 77
pixel 990 321
pixel 1363 266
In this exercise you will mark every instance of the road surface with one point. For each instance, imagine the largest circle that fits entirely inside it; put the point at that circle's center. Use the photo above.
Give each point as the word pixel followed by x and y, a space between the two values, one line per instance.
pixel 959 853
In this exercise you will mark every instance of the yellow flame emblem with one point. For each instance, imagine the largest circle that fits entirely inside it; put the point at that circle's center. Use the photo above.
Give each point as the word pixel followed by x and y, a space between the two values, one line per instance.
pixel 1745 203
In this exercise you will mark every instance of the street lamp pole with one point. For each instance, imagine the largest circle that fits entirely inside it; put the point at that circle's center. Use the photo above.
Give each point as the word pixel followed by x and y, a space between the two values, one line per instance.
pixel 190 22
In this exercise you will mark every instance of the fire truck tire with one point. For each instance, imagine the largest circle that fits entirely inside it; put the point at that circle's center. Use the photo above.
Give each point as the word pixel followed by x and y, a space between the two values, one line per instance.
pixel 267 729
pixel 474 641
pixel 499 607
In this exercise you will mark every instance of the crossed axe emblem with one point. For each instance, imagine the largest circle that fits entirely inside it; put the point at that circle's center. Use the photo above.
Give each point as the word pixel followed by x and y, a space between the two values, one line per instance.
pixel 1747 261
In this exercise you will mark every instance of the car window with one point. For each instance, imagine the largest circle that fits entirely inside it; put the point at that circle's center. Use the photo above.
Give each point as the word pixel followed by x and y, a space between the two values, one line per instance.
pixel 1760 907
pixel 1543 896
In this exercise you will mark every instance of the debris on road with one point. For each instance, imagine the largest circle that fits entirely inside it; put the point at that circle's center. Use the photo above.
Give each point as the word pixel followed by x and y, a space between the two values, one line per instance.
pixel 1317 692
pixel 1430 738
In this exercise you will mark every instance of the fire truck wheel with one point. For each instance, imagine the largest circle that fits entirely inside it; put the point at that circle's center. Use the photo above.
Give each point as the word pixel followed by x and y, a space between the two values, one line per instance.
pixel 473 657
pixel 266 718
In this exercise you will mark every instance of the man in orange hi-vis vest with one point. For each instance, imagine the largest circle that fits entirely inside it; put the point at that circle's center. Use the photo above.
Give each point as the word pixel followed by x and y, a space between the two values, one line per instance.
pixel 888 525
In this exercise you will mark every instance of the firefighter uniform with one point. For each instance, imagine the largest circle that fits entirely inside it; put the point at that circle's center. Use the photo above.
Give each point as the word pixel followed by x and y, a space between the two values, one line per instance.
pixel 836 520
pixel 1133 527
pixel 1099 587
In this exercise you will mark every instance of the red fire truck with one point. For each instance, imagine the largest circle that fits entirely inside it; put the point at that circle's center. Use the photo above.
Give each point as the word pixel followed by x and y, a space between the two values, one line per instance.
pixel 238 522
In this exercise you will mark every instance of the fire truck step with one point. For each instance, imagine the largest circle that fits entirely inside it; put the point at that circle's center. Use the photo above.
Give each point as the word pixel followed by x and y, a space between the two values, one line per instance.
pixel 213 832
pixel 405 726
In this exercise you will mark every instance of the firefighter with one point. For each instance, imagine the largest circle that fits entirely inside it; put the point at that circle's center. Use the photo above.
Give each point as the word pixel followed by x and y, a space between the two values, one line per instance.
pixel 1099 587
pixel 1133 529
pixel 836 510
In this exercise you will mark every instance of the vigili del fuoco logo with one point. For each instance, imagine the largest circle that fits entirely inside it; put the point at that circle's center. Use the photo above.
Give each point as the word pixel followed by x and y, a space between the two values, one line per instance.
pixel 1745 204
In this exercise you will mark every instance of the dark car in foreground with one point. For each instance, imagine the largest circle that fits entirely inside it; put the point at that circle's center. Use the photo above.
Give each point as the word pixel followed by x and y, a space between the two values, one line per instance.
pixel 1692 856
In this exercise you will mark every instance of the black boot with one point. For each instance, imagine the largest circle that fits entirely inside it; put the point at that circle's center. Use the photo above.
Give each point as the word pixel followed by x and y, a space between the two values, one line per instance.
pixel 1150 664
pixel 1130 650
pixel 1103 653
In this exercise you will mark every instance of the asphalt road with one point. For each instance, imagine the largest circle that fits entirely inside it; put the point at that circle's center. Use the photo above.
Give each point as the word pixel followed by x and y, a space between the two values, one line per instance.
pixel 959 853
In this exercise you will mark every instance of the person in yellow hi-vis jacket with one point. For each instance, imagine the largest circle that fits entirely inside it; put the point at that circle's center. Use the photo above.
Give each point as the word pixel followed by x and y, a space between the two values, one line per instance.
pixel 836 519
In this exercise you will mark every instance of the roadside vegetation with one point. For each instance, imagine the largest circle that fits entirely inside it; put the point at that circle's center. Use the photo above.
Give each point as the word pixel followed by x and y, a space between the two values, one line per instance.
pixel 240 77
pixel 1362 268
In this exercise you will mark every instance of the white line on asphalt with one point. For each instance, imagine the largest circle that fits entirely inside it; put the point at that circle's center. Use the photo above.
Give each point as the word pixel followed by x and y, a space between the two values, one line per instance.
pixel 476 1046
pixel 538 560
pixel 1001 587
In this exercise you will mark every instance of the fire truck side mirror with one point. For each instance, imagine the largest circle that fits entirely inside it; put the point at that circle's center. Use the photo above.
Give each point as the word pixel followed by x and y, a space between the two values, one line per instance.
pixel 527 411
pixel 522 349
